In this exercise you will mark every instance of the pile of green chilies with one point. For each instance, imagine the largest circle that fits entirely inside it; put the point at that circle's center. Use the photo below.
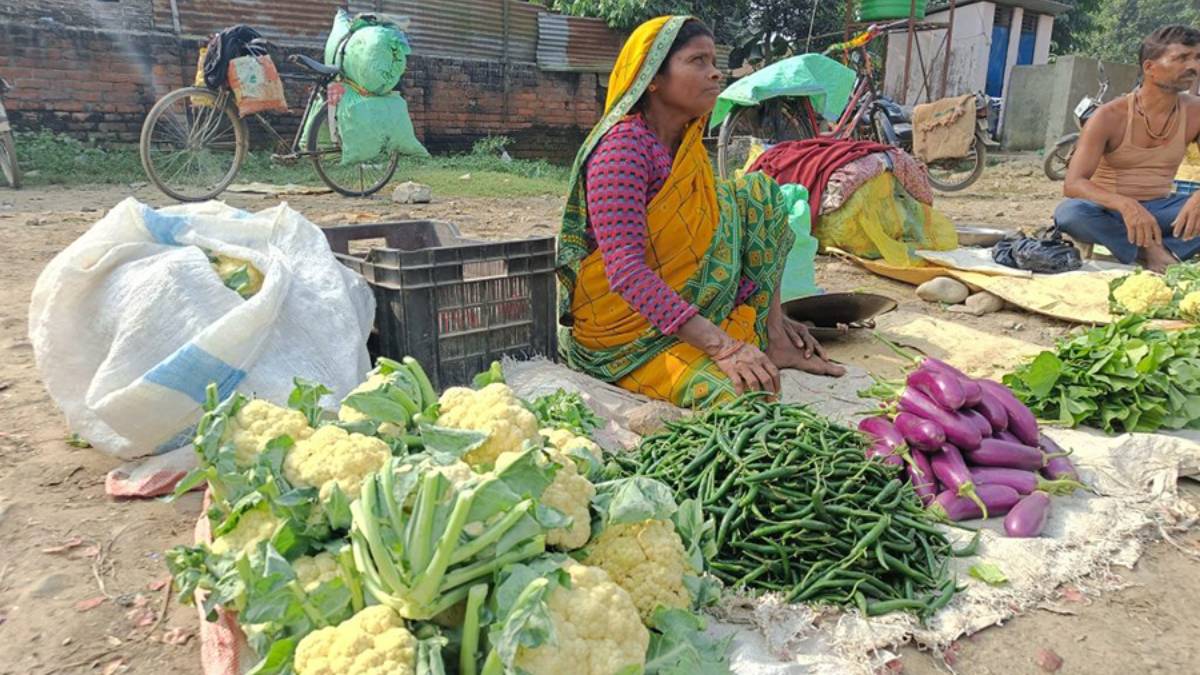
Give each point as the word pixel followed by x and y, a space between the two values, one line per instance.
pixel 799 508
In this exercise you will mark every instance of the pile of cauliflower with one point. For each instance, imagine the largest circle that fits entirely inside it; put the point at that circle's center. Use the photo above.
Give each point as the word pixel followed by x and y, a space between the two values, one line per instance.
pixel 598 607
pixel 1174 295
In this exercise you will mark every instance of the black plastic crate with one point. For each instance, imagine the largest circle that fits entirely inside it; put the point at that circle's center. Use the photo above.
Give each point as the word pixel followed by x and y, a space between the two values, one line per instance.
pixel 452 303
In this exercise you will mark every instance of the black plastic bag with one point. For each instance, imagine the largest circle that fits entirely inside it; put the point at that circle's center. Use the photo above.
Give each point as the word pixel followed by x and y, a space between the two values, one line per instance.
pixel 1044 255
pixel 226 46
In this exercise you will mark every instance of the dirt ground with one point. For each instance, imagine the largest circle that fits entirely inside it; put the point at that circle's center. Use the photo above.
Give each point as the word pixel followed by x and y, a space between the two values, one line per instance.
pixel 81 574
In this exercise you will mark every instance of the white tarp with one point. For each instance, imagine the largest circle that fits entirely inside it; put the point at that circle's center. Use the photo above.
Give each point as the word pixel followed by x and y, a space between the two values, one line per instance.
pixel 1134 475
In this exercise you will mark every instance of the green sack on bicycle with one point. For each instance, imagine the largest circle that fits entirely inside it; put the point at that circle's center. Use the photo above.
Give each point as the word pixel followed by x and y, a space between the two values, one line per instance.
pixel 373 53
pixel 375 126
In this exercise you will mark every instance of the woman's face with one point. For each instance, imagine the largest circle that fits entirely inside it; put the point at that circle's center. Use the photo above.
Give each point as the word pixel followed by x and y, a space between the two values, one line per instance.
pixel 690 81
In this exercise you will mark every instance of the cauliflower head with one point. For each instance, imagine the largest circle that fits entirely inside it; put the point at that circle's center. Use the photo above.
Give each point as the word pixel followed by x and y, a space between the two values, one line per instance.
pixel 648 560
pixel 312 571
pixel 1143 293
pixel 259 422
pixel 332 456
pixel 372 642
pixel 565 440
pixel 1189 307
pixel 596 628
pixel 255 525
pixel 571 494
pixel 348 414
pixel 494 410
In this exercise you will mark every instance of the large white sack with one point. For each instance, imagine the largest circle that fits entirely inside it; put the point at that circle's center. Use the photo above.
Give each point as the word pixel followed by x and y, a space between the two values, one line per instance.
pixel 130 322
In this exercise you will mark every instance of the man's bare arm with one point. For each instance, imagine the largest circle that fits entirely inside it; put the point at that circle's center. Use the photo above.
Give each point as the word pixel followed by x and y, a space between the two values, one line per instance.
pixel 1093 144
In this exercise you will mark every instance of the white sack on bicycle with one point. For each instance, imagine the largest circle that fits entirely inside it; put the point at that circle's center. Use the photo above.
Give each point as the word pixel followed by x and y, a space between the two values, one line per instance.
pixel 130 322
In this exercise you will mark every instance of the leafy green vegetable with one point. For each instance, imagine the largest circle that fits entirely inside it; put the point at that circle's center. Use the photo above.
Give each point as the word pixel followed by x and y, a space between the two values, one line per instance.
pixel 1124 377
pixel 563 410
pixel 306 397
pixel 422 542
pixel 493 375
pixel 679 646
pixel 988 573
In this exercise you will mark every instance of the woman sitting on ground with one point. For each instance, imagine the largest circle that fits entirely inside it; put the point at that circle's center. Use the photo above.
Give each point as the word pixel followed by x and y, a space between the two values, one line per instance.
pixel 670 280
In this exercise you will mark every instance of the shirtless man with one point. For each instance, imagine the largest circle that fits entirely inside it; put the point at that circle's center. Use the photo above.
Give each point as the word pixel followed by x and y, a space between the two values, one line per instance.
pixel 1119 185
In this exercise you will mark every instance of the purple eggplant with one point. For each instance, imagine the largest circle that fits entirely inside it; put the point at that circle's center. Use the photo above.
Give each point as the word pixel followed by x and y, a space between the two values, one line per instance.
pixel 920 474
pixel 1058 465
pixel 995 452
pixel 993 411
pixel 944 388
pixel 1028 517
pixel 999 500
pixel 1024 482
pixel 930 363
pixel 1007 436
pixel 881 428
pixel 971 390
pixel 1021 422
pixel 884 452
pixel 959 430
pixel 919 432
pixel 952 471
pixel 972 393
pixel 981 423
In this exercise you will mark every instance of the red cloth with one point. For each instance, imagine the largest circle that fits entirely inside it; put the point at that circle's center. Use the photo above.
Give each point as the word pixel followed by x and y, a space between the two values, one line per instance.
pixel 811 162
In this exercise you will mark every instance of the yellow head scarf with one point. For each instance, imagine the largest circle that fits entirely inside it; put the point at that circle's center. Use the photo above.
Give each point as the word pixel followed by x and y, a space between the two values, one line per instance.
pixel 629 62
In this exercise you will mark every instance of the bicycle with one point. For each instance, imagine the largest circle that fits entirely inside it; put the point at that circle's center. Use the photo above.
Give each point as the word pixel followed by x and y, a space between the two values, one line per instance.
pixel 194 142
pixel 867 116
pixel 8 148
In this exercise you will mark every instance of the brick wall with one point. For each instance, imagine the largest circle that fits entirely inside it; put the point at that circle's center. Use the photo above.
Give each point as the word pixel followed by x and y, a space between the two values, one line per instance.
pixel 98 82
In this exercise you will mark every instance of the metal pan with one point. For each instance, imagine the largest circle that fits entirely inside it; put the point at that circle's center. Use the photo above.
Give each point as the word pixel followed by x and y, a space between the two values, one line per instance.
pixel 833 315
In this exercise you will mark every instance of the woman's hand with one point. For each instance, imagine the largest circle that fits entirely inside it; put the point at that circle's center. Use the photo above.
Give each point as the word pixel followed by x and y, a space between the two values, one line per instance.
pixel 799 335
pixel 748 368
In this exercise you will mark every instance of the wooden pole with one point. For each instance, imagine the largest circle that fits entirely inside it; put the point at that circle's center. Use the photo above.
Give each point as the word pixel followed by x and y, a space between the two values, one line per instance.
pixel 912 10
pixel 949 51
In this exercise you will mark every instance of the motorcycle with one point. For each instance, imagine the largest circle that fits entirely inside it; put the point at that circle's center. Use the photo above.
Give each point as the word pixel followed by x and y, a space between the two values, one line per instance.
pixel 8 149
pixel 893 126
pixel 1059 157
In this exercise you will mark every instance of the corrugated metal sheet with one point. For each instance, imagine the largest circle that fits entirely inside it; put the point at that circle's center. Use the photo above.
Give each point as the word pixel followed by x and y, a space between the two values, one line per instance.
pixel 469 30
pixel 570 43
pixel 291 22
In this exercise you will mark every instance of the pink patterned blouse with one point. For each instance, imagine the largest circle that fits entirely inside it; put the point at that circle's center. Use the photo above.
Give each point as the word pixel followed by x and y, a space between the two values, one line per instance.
pixel 624 173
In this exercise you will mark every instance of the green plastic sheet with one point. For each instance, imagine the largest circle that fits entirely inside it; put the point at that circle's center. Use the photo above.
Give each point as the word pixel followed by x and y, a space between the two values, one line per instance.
pixel 825 81
pixel 799 274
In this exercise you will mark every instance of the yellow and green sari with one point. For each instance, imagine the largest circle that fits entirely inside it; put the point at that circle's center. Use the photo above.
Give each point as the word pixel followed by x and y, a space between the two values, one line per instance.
pixel 702 237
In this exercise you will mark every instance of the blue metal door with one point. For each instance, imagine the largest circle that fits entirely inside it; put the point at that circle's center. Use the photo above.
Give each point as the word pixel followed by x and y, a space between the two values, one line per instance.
pixel 1025 49
pixel 998 60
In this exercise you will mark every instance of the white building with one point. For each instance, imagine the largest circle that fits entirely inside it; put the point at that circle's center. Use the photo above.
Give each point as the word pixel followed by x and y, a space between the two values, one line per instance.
pixel 989 38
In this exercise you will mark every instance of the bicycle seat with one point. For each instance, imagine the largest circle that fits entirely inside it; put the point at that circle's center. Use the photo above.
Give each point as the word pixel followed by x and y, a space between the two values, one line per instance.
pixel 314 65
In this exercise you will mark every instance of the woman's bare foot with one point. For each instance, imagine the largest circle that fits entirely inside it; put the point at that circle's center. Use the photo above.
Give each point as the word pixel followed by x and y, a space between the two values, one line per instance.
pixel 785 354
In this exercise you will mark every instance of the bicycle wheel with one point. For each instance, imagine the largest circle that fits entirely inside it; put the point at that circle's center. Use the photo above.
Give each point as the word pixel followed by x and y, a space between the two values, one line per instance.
pixel 352 180
pixel 193 143
pixel 959 173
pixel 771 122
pixel 8 160
pixel 1059 157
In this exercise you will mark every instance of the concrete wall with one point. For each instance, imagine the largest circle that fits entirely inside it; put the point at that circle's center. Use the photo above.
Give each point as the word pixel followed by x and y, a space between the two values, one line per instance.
pixel 94 69
pixel 968 65
pixel 1042 99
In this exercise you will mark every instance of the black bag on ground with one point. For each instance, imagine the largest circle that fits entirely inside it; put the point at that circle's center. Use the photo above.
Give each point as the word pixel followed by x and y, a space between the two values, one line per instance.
pixel 1050 254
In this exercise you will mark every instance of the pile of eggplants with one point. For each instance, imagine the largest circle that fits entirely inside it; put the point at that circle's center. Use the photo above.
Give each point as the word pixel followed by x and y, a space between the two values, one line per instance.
pixel 971 449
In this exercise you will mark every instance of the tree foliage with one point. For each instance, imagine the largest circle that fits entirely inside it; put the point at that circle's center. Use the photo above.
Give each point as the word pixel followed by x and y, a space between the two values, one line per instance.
pixel 755 29
pixel 1113 29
